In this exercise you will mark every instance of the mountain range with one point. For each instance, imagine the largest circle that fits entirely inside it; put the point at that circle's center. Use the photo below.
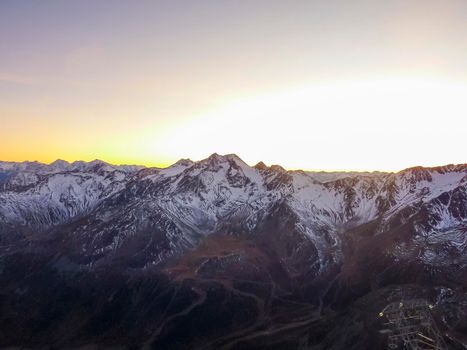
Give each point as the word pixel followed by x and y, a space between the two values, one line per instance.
pixel 217 254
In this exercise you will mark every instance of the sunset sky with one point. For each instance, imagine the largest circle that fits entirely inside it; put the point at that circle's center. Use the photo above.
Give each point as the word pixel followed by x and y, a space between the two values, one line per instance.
pixel 310 84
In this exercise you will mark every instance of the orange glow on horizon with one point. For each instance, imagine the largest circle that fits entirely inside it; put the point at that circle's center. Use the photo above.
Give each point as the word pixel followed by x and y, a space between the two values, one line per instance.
pixel 385 125
pixel 314 85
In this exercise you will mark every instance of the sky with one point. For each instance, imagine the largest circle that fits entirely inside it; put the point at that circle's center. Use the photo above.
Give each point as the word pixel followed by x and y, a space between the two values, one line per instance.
pixel 315 84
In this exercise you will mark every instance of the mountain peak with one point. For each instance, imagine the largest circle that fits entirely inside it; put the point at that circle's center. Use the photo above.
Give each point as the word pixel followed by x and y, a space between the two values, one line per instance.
pixel 277 167
pixel 261 166
pixel 98 162
pixel 215 157
pixel 59 162
pixel 184 162
pixel 59 165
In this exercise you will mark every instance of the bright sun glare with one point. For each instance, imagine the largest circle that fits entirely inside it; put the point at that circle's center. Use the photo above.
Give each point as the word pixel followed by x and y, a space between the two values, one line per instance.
pixel 377 124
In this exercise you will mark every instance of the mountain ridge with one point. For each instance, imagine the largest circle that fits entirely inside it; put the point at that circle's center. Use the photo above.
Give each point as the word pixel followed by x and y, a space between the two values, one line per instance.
pixel 63 163
pixel 218 237
pixel 204 193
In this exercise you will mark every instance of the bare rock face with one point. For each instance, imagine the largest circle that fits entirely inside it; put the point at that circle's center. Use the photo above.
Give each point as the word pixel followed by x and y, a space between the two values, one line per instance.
pixel 216 254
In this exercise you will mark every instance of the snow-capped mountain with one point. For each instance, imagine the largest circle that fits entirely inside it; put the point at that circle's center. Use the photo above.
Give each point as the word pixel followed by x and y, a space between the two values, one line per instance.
pixel 40 195
pixel 190 200
pixel 319 239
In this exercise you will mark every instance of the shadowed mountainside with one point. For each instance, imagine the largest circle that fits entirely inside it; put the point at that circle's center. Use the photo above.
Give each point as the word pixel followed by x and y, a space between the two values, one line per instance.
pixel 216 254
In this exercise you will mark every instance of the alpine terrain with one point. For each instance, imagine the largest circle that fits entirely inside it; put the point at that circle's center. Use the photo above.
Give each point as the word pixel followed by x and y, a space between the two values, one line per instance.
pixel 217 254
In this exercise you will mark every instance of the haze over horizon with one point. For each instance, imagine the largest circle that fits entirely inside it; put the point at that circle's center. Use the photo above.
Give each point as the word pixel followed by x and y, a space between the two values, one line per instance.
pixel 226 155
pixel 321 85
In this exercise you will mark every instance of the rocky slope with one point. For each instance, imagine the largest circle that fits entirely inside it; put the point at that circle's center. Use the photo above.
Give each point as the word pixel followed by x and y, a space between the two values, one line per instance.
pixel 263 256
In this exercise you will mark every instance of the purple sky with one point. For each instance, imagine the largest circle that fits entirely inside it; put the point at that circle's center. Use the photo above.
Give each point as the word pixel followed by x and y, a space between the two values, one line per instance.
pixel 114 69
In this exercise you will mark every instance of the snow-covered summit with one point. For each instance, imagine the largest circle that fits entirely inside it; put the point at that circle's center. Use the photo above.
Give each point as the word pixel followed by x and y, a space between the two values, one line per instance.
pixel 190 199
pixel 60 165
